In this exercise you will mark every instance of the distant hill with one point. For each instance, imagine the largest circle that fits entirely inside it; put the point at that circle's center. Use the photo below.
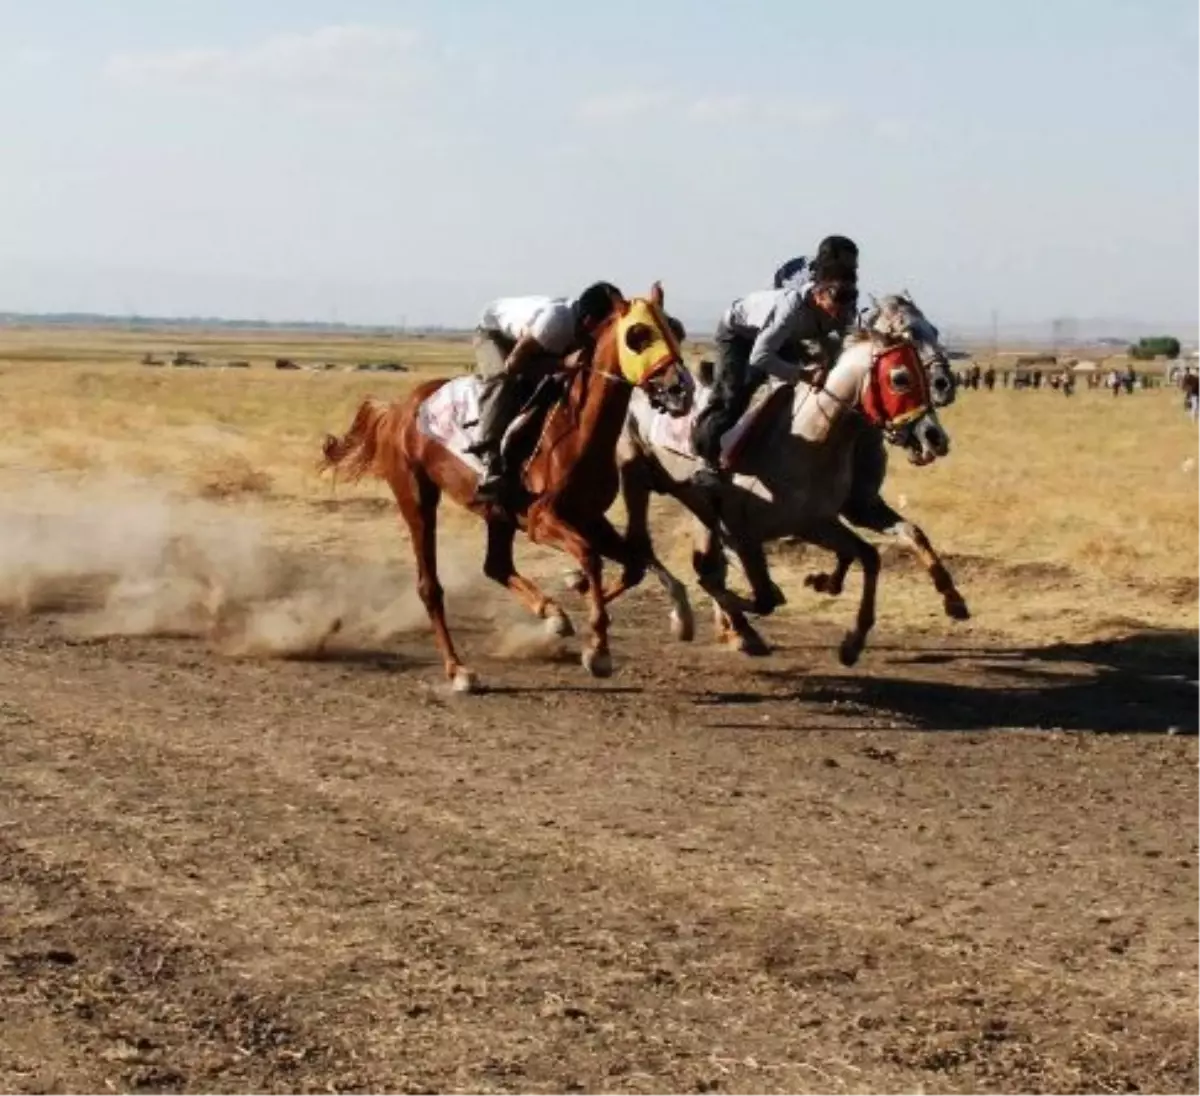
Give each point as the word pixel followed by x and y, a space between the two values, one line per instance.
pixel 216 323
pixel 1083 332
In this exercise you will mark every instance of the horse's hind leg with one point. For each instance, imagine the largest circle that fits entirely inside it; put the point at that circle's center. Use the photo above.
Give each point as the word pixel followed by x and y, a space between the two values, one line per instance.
pixel 708 560
pixel 417 497
pixel 878 516
pixel 683 623
pixel 500 567
pixel 767 595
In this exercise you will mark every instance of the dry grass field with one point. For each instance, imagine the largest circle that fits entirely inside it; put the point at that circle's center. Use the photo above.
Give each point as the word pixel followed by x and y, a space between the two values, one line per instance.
pixel 230 863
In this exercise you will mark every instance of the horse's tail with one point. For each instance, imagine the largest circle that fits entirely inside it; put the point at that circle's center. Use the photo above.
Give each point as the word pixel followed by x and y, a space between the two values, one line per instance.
pixel 356 452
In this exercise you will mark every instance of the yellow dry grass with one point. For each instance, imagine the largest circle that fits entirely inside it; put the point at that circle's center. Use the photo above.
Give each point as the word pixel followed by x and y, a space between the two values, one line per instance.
pixel 1063 518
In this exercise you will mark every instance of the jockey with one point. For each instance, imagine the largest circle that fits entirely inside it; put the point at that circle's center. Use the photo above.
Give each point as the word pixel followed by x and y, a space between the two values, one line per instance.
pixel 758 337
pixel 799 273
pixel 517 337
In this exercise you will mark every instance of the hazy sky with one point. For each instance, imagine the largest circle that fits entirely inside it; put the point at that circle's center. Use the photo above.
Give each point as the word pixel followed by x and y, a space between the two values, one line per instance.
pixel 374 161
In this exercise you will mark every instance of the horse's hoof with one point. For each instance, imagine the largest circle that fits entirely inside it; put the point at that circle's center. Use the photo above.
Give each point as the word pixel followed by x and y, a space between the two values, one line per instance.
pixel 823 584
pixel 956 609
pixel 559 625
pixel 850 648
pixel 683 626
pixel 597 663
pixel 751 644
pixel 464 681
pixel 575 582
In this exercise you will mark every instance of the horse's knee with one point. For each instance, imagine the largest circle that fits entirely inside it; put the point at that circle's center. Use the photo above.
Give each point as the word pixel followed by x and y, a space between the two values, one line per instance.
pixel 868 556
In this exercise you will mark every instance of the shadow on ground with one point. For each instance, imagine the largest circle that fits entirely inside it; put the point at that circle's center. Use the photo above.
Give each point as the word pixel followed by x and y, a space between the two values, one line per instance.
pixel 1144 682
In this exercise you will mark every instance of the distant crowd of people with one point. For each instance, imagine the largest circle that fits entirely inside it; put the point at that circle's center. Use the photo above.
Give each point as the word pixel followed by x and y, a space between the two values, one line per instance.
pixel 1064 379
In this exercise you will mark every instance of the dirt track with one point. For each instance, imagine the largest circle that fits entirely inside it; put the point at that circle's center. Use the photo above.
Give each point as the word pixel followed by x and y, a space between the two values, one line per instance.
pixel 778 876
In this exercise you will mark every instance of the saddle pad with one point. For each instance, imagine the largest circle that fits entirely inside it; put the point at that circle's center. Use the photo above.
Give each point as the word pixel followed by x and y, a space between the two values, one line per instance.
pixel 444 416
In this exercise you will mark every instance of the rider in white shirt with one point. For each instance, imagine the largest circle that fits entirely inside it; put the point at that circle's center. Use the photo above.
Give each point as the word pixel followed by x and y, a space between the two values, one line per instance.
pixel 517 337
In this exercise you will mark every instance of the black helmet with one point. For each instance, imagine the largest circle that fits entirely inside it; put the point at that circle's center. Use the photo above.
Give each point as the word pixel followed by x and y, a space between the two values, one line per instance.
pixel 837 247
pixel 837 250
pixel 594 304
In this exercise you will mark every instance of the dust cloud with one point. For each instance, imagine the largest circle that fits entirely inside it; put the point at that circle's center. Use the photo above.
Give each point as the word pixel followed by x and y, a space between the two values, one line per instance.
pixel 131 558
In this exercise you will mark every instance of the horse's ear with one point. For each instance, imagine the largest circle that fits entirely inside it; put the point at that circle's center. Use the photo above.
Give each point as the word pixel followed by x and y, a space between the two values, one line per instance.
pixel 656 294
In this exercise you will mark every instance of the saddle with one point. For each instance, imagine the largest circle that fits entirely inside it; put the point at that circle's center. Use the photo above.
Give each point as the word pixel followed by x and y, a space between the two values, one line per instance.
pixel 521 437
pixel 765 406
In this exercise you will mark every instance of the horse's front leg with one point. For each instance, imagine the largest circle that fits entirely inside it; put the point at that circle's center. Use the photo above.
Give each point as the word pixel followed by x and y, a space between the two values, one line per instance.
pixel 879 517
pixel 832 534
pixel 547 527
pixel 500 567
pixel 635 552
pixel 830 582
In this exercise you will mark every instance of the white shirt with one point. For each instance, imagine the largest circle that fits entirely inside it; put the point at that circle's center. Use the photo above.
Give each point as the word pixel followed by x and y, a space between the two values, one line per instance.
pixel 550 320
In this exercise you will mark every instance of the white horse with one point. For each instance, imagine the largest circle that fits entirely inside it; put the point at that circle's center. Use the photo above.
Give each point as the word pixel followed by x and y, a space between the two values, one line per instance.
pixel 800 474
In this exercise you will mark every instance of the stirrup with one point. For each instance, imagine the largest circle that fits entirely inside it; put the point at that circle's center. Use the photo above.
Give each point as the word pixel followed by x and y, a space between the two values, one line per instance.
pixel 707 476
pixel 491 489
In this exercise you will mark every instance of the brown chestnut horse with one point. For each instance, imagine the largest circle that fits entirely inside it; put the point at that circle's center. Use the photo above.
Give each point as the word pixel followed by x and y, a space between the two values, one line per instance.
pixel 567 485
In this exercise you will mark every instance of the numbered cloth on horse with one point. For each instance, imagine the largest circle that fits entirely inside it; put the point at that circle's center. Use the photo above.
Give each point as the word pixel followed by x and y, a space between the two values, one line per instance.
pixel 675 434
pixel 450 415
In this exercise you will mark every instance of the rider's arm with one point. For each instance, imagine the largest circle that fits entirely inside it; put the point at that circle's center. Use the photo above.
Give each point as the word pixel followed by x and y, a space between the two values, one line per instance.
pixel 526 347
pixel 551 331
pixel 785 323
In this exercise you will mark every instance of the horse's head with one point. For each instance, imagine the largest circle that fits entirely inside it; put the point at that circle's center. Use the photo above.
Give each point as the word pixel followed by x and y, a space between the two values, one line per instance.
pixel 642 345
pixel 897 318
pixel 896 397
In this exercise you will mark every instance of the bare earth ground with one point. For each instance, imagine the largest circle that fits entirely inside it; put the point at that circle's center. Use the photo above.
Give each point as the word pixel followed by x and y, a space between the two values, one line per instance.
pixel 967 864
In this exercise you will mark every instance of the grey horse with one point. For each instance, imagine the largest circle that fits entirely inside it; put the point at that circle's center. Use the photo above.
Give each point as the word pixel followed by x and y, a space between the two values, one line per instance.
pixel 805 472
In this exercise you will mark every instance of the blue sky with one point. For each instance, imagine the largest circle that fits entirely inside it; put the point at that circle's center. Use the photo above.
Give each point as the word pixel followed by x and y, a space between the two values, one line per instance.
pixel 376 161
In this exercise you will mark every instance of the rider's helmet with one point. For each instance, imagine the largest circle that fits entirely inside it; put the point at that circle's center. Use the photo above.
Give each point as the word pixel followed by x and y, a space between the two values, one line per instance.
pixel 593 306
